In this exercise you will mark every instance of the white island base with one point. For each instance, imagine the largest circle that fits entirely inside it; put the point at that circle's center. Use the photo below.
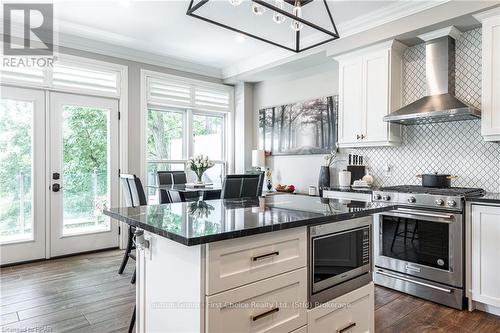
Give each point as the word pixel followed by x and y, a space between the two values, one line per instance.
pixel 220 287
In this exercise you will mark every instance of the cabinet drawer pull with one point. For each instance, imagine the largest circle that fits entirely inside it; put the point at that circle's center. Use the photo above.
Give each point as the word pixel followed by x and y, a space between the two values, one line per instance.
pixel 264 256
pixel 264 314
pixel 346 327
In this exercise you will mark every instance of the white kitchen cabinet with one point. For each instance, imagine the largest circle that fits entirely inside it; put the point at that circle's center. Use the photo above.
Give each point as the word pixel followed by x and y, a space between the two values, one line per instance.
pixel 485 255
pixel 490 100
pixel 236 262
pixel 265 306
pixel 350 313
pixel 369 89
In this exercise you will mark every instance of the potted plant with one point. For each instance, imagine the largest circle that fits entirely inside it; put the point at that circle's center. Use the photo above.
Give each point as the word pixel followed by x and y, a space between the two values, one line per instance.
pixel 199 165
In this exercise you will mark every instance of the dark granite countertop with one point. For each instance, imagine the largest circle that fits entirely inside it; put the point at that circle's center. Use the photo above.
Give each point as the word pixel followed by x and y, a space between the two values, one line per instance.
pixel 193 223
pixel 350 189
pixel 488 197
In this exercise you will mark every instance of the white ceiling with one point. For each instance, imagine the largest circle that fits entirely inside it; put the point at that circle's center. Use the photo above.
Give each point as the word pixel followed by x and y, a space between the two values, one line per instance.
pixel 160 32
pixel 163 28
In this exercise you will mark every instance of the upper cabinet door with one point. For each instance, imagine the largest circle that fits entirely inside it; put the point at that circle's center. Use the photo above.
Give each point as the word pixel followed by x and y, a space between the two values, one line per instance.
pixel 369 89
pixel 490 102
pixel 350 101
pixel 376 96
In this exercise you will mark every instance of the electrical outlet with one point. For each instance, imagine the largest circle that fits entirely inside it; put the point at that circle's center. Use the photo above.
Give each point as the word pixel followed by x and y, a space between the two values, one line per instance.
pixel 388 171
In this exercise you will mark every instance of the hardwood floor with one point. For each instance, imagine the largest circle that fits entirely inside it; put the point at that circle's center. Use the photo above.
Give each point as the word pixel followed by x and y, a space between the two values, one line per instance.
pixel 76 294
pixel 397 312
pixel 85 294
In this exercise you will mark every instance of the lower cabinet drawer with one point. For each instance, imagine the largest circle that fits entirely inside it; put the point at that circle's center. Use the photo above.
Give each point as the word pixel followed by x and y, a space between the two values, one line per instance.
pixel 350 313
pixel 276 304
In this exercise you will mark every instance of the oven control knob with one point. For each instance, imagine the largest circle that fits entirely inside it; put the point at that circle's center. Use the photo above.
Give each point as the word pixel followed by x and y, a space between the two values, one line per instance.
pixel 452 203
pixel 386 197
pixel 439 202
pixel 412 200
pixel 377 196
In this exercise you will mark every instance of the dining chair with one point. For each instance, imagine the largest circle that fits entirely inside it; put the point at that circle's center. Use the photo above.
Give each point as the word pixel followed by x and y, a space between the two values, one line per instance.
pixel 179 177
pixel 240 186
pixel 134 196
pixel 164 178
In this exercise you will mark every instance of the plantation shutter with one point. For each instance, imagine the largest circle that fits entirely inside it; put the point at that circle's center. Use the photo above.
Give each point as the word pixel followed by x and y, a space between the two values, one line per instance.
pixel 189 94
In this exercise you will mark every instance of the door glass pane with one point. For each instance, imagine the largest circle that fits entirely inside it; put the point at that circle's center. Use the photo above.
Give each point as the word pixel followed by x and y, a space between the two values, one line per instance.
pixel 208 136
pixel 16 160
pixel 421 242
pixel 86 181
pixel 165 135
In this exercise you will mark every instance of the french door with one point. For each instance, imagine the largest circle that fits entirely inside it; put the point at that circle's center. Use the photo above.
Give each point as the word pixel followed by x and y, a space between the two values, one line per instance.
pixel 83 172
pixel 22 175
pixel 58 171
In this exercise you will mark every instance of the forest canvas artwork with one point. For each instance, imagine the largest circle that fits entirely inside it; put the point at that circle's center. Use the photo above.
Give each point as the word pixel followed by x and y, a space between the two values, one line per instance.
pixel 308 127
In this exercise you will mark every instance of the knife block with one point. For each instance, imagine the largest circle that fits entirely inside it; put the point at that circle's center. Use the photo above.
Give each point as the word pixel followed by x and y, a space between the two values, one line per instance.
pixel 357 172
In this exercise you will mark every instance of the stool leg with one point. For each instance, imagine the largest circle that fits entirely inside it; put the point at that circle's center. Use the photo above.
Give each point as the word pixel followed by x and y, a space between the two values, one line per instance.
pixel 127 251
pixel 133 278
pixel 132 322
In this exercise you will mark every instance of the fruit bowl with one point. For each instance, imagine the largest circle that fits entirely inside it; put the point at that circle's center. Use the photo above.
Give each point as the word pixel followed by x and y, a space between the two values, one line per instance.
pixel 285 188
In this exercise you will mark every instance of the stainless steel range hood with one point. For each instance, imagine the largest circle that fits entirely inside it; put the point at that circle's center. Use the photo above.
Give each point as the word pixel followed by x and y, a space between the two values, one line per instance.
pixel 440 104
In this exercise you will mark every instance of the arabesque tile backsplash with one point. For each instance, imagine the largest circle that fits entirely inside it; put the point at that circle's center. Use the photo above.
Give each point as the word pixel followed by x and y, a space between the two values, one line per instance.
pixel 455 148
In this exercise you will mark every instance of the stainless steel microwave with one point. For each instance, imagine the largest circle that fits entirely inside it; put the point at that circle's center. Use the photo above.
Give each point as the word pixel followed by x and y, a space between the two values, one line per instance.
pixel 339 258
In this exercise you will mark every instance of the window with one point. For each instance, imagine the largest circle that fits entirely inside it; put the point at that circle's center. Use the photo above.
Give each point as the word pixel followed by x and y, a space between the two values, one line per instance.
pixel 169 145
pixel 185 118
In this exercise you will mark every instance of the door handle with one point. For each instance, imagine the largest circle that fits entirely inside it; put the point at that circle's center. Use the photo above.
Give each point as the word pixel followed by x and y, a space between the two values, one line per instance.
pixel 56 187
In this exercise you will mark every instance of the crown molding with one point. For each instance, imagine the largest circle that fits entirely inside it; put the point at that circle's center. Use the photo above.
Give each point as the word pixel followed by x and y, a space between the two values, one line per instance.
pixel 78 43
pixel 487 14
pixel 448 31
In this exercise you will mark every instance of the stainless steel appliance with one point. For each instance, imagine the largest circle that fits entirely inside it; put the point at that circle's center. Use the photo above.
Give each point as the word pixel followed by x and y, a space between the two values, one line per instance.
pixel 419 247
pixel 339 258
pixel 440 104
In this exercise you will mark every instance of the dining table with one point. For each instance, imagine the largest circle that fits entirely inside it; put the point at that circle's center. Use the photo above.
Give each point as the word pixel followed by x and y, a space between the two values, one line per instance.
pixel 190 193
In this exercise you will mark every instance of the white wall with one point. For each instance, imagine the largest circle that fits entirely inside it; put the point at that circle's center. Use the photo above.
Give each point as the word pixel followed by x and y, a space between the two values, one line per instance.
pixel 318 81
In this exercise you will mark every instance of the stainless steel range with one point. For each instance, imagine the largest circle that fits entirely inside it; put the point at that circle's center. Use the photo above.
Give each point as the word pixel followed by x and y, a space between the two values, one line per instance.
pixel 419 247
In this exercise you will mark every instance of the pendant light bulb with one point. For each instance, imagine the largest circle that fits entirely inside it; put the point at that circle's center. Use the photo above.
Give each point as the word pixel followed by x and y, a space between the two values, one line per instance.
pixel 258 9
pixel 277 17
pixel 235 3
pixel 297 11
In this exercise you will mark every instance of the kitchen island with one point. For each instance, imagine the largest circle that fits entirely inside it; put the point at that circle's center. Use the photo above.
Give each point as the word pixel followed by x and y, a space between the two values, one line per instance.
pixel 238 265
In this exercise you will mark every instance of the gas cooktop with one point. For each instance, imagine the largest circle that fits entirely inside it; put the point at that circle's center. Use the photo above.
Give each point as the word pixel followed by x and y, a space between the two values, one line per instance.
pixel 449 191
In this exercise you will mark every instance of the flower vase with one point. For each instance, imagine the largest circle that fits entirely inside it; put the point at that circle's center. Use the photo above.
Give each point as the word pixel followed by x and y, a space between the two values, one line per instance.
pixel 324 179
pixel 199 179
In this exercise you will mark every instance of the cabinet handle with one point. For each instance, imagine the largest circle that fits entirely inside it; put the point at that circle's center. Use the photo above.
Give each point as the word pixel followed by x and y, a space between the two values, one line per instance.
pixel 346 327
pixel 358 136
pixel 264 256
pixel 264 314
pixel 362 136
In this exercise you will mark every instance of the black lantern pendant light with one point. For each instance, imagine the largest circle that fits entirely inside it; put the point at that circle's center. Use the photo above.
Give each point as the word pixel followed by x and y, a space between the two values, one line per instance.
pixel 310 22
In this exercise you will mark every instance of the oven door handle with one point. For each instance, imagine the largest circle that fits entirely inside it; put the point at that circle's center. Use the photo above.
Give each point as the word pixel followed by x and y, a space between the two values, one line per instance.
pixel 401 212
pixel 446 290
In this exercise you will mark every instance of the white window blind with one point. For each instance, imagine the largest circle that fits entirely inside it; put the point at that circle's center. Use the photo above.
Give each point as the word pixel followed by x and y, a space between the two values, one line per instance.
pixel 23 74
pixel 68 74
pixel 82 78
pixel 183 94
